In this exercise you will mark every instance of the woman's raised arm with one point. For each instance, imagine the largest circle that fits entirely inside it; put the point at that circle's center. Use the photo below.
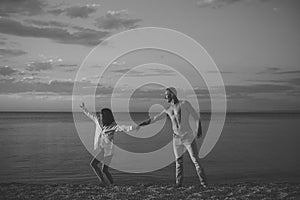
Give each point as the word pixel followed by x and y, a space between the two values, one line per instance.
pixel 87 113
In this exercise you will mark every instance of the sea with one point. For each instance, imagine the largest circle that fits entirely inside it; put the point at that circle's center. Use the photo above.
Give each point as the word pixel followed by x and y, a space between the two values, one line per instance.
pixel 46 147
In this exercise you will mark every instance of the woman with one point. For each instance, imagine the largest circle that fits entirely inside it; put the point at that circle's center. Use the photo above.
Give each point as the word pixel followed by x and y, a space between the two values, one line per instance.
pixel 103 140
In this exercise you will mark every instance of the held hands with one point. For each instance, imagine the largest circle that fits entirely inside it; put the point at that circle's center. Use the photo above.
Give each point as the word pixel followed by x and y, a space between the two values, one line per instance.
pixel 142 124
pixel 135 128
pixel 130 128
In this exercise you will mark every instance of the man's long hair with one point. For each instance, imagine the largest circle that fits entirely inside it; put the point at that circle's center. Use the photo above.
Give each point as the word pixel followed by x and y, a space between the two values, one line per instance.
pixel 107 117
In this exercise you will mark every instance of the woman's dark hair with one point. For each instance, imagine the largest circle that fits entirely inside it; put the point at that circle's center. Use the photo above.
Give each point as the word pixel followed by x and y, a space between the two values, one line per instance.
pixel 107 117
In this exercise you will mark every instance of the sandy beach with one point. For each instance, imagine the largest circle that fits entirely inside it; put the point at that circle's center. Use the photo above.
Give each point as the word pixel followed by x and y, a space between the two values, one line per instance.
pixel 250 190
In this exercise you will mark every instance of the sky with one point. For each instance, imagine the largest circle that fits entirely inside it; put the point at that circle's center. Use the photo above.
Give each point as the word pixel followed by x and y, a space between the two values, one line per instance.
pixel 254 43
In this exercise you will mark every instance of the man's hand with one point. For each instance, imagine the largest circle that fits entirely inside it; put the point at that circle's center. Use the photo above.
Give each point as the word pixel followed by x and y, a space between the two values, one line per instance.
pixel 137 128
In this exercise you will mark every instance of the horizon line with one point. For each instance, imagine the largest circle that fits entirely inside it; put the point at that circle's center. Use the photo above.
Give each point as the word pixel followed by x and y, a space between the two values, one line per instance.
pixel 206 112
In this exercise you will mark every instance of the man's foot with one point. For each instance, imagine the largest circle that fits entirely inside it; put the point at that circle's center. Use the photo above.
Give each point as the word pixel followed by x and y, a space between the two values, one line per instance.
pixel 203 184
pixel 102 185
pixel 178 185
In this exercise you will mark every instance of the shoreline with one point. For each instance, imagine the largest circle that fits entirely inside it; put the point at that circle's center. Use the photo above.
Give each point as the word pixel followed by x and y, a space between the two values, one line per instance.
pixel 242 190
pixel 160 178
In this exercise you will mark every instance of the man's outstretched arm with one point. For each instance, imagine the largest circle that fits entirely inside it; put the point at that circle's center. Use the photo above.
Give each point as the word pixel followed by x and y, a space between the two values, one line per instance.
pixel 153 119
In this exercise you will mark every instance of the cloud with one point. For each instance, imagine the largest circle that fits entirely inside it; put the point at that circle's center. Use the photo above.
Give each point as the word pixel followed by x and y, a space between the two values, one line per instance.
pixel 156 91
pixel 30 78
pixel 257 88
pixel 249 91
pixel 119 63
pixel 214 3
pixel 200 92
pixel 7 71
pixel 39 66
pixel 87 37
pixel 295 81
pixel 124 71
pixel 221 3
pixel 77 11
pixel 24 7
pixel 34 85
pixel 70 70
pixel 65 87
pixel 269 70
pixel 291 81
pixel 3 41
pixel 60 87
pixel 222 72
pixel 288 72
pixel 245 91
pixel 277 70
pixel 50 23
pixel 114 20
pixel 232 91
pixel 163 72
pixel 67 65
pixel 152 72
pixel 153 94
pixel 145 92
pixel 11 52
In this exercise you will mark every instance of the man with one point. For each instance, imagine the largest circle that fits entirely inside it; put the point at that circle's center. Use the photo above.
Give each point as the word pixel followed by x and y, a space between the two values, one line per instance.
pixel 183 136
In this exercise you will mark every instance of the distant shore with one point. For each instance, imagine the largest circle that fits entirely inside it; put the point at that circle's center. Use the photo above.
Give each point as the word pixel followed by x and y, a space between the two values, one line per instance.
pixel 246 190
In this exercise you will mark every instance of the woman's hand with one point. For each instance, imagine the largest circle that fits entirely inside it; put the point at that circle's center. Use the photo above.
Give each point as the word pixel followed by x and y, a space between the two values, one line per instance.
pixel 135 128
pixel 81 105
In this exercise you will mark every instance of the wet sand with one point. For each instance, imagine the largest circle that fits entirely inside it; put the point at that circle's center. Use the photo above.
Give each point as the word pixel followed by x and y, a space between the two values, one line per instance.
pixel 247 190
